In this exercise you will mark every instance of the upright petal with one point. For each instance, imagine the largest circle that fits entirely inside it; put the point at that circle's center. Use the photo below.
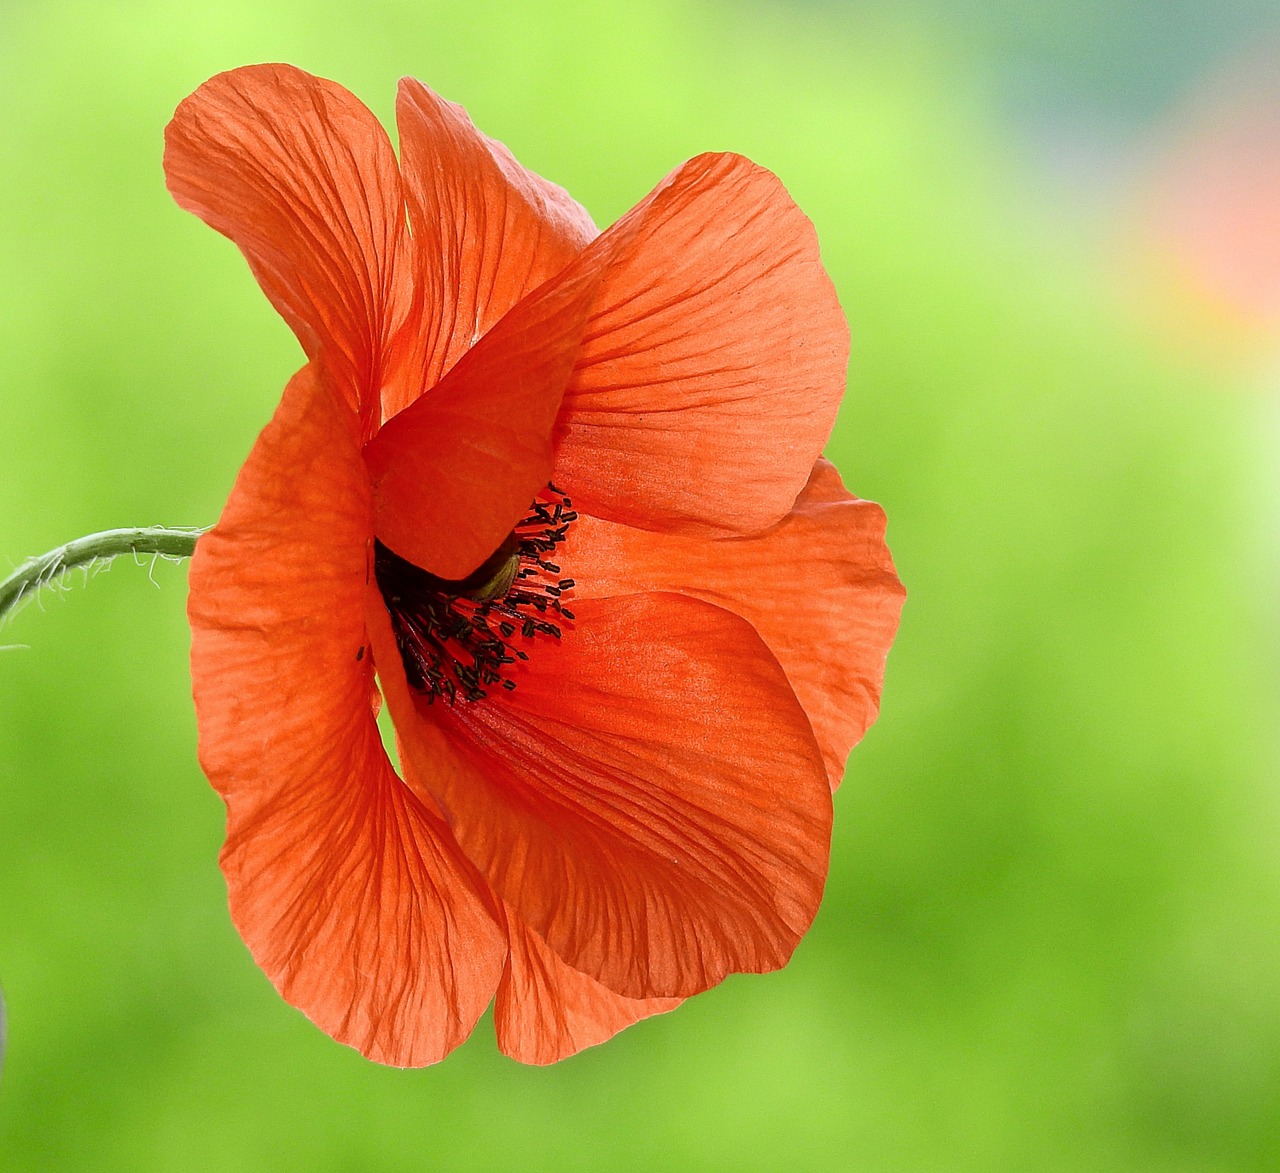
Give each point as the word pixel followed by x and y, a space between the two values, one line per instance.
pixel 347 888
pixel 649 799
pixel 486 231
pixel 713 362
pixel 302 177
pixel 819 587
pixel 546 1011
pixel 455 470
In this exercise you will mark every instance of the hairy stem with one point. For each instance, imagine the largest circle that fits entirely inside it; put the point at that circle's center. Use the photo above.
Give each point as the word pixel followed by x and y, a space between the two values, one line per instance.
pixel 35 573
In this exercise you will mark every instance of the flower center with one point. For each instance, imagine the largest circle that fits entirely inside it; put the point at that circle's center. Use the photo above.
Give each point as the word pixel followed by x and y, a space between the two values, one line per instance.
pixel 457 636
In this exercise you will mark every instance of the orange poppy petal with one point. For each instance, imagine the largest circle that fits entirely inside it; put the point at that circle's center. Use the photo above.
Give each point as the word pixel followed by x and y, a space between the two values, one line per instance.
pixel 486 231
pixel 348 890
pixel 714 360
pixel 546 1011
pixel 457 469
pixel 819 587
pixel 301 176
pixel 649 799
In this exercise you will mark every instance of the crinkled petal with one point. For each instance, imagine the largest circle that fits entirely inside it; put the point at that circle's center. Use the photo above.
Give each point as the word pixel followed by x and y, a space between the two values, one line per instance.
pixel 347 888
pixel 819 587
pixel 714 360
pixel 546 1011
pixel 455 471
pixel 486 231
pixel 650 799
pixel 302 177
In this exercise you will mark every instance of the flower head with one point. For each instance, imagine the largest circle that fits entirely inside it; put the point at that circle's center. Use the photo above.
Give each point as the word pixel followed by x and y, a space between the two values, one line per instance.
pixel 557 496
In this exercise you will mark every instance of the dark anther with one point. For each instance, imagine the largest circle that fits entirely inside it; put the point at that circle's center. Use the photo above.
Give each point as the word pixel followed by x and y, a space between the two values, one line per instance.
pixel 445 629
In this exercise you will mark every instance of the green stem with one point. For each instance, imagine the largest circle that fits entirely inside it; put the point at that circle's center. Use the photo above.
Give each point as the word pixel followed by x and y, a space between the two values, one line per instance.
pixel 95 548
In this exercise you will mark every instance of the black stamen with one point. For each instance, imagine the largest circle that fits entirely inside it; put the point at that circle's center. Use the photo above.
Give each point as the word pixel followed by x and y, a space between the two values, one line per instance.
pixel 443 629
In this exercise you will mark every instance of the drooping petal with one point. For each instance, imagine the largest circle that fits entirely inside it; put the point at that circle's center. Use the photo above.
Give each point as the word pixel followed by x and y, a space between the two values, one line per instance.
pixel 546 1011
pixel 454 471
pixel 714 360
pixel 649 799
pixel 486 231
pixel 303 178
pixel 347 888
pixel 819 587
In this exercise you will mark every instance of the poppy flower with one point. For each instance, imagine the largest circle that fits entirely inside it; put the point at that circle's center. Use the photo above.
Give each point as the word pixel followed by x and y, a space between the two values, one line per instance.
pixel 557 497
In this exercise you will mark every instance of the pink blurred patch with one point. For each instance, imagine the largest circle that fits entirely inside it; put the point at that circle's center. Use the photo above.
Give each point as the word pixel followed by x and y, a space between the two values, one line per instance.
pixel 1210 203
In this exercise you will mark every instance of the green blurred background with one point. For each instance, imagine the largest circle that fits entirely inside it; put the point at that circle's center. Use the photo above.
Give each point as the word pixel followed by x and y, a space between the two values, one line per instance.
pixel 1049 940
